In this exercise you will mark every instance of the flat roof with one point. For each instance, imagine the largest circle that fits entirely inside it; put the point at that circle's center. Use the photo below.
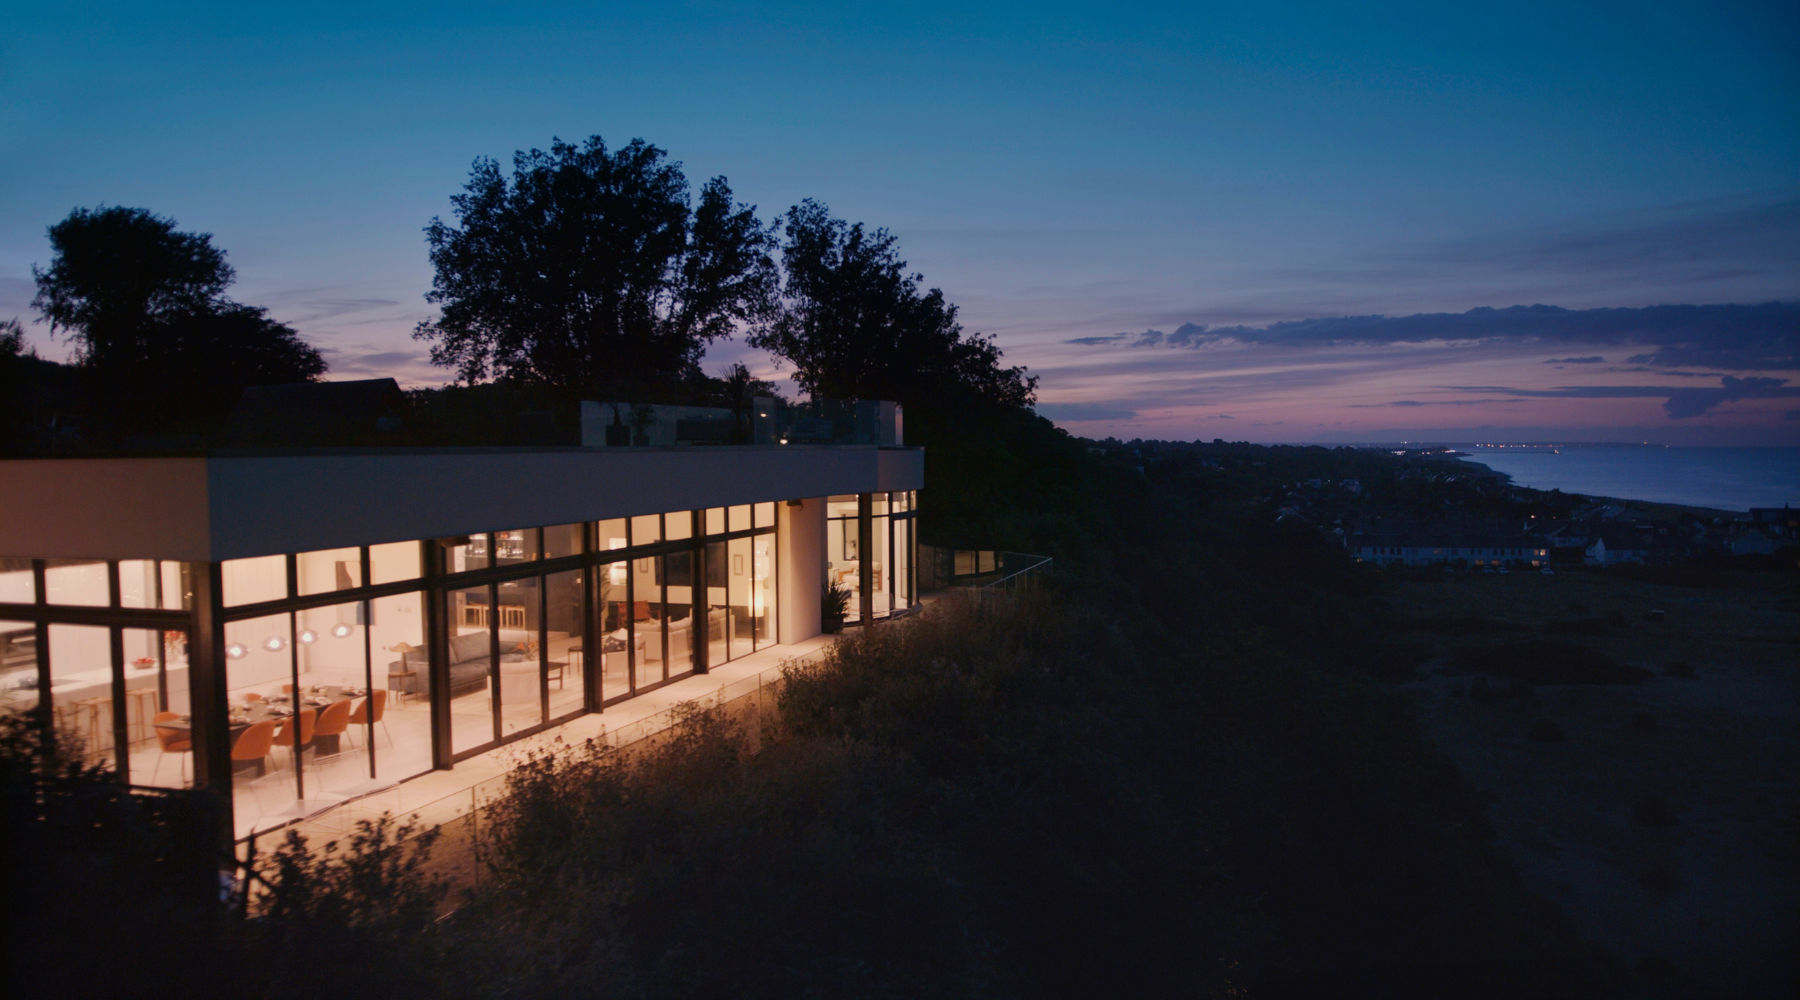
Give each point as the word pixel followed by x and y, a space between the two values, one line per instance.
pixel 235 504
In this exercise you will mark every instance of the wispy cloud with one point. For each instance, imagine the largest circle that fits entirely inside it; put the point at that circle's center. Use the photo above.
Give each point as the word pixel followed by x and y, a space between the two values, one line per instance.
pixel 1596 359
pixel 1762 337
pixel 1429 402
pixel 1083 412
pixel 1678 401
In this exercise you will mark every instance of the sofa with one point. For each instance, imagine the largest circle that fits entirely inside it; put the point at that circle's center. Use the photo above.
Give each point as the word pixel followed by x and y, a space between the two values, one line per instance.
pixel 469 665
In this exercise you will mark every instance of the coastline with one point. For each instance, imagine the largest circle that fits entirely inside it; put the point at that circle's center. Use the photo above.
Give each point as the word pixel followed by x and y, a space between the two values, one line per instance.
pixel 1709 482
pixel 1654 510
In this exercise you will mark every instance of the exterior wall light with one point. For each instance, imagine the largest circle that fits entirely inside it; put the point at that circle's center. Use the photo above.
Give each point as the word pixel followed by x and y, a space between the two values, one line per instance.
pixel 309 637
pixel 274 644
pixel 342 630
pixel 237 651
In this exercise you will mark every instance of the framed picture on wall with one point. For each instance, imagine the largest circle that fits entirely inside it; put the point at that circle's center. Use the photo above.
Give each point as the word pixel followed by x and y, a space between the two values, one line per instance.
pixel 850 547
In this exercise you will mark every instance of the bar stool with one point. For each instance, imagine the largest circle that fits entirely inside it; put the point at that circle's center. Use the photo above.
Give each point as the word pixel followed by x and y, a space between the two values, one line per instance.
pixel 142 703
pixel 88 710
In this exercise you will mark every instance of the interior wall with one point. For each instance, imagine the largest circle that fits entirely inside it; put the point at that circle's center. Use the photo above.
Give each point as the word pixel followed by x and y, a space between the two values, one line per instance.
pixel 800 576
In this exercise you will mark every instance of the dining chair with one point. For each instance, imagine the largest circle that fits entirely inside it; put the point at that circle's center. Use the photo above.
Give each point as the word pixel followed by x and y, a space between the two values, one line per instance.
pixel 177 741
pixel 254 743
pixel 334 720
pixel 300 725
pixel 373 709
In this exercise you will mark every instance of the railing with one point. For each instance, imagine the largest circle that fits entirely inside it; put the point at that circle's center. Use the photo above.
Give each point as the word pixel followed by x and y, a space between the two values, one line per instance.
pixel 1027 574
pixel 979 569
pixel 467 803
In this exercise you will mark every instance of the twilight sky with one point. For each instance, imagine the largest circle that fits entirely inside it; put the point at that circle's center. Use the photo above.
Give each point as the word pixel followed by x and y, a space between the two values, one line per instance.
pixel 1142 203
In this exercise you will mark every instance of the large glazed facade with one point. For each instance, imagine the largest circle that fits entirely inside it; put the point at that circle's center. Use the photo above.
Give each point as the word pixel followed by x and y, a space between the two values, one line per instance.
pixel 295 630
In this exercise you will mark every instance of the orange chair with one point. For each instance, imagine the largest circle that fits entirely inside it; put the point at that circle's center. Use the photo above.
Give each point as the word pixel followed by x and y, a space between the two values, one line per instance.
pixel 254 742
pixel 302 724
pixel 252 696
pixel 171 741
pixel 334 720
pixel 371 710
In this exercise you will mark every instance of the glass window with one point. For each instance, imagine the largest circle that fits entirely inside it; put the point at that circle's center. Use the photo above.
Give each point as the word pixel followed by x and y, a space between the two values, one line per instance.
pixel 902 563
pixel 81 693
pixel 393 562
pixel 841 506
pixel 738 518
pixel 471 665
pixel 741 630
pixel 678 604
pixel 517 546
pixel 16 586
pixel 842 562
pixel 646 528
pixel 76 581
pixel 715 520
pixel 879 543
pixel 177 586
pixel 647 621
pixel 610 534
pixel 398 726
pixel 562 540
pixel 463 553
pixel 900 504
pixel 614 582
pixel 263 704
pixel 328 570
pixel 565 645
pixel 521 686
pixel 765 515
pixel 330 650
pixel 678 524
pixel 137 583
pixel 18 667
pixel 762 594
pixel 252 581
pixel 718 572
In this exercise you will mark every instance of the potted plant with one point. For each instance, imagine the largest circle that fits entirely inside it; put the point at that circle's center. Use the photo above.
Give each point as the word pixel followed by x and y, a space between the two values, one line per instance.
pixel 834 604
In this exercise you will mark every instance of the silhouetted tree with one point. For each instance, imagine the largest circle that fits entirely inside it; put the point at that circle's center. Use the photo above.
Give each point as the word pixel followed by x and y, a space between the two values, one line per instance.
pixel 590 271
pixel 161 346
pixel 857 325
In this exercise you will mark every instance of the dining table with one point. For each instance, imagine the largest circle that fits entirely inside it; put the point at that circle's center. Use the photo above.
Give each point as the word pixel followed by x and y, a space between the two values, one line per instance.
pixel 275 707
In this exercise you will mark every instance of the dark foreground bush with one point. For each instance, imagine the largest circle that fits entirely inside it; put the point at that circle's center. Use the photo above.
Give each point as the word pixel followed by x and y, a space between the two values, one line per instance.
pixel 1010 799
pixel 112 892
pixel 1548 661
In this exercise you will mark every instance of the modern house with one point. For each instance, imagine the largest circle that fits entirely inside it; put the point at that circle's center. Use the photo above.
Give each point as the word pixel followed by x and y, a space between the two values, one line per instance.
pixel 293 628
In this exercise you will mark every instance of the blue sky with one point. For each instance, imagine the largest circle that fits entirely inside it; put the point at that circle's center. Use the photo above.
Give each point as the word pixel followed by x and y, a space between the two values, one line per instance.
pixel 1063 172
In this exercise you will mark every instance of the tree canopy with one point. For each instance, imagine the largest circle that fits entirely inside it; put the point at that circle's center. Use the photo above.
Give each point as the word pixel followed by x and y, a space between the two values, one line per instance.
pixel 161 346
pixel 590 271
pixel 855 324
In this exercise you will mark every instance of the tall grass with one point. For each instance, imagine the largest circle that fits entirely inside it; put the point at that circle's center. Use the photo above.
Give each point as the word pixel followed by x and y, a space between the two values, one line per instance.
pixel 1010 798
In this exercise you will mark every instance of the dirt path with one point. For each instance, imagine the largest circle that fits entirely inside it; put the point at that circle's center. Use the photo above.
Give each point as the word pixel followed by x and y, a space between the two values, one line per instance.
pixel 1664 817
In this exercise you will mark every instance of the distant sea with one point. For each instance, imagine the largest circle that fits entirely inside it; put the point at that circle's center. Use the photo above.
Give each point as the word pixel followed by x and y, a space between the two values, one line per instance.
pixel 1722 478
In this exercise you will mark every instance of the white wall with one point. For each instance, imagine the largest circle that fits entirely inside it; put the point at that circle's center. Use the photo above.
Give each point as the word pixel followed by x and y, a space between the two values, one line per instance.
pixel 801 576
